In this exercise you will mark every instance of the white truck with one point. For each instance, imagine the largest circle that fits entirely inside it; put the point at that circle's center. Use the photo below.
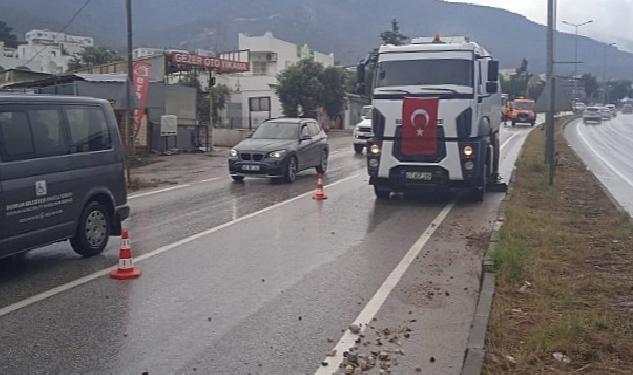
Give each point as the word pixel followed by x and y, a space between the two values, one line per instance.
pixel 436 117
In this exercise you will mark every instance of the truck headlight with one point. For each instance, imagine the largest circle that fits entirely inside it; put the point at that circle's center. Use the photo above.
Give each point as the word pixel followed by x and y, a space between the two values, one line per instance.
pixel 468 151
pixel 233 153
pixel 374 149
pixel 277 154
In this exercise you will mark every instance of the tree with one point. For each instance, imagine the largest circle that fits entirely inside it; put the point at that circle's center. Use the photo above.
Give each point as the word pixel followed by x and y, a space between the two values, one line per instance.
pixel 74 64
pixel 590 83
pixel 219 97
pixel 98 55
pixel 300 86
pixel 333 81
pixel 393 36
pixel 7 36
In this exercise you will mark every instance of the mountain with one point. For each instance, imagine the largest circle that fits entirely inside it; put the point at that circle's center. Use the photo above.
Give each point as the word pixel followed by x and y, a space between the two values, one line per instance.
pixel 348 28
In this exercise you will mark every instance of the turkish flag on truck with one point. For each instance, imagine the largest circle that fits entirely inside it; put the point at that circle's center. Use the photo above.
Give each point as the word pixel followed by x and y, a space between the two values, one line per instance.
pixel 419 126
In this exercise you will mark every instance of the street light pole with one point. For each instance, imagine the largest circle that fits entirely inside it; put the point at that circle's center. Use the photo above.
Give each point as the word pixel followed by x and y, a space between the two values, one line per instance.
pixel 604 73
pixel 576 26
pixel 549 123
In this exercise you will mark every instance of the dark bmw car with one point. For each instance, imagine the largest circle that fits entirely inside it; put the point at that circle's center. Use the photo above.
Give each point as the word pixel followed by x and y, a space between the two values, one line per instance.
pixel 279 149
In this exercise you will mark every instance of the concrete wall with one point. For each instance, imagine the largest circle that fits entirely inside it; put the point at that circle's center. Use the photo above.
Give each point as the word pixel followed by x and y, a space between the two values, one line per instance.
pixel 228 137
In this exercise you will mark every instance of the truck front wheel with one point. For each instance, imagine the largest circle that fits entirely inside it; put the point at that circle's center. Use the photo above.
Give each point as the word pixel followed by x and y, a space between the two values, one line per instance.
pixel 382 192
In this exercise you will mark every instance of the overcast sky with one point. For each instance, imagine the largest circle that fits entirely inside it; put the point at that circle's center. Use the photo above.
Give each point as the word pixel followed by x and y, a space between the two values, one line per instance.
pixel 613 19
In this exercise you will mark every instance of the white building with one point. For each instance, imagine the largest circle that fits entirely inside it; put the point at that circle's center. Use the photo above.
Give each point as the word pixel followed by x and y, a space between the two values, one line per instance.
pixel 45 51
pixel 269 56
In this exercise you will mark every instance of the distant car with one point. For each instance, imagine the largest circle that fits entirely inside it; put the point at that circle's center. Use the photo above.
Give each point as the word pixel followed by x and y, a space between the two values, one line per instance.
pixel 592 114
pixel 579 107
pixel 627 109
pixel 363 130
pixel 279 149
pixel 612 108
pixel 606 113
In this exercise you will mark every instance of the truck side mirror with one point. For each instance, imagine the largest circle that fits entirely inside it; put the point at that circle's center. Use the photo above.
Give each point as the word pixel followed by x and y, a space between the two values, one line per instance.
pixel 492 87
pixel 493 71
pixel 361 87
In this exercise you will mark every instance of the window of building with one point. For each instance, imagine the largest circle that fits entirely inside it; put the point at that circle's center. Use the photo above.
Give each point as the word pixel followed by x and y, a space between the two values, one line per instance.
pixel 260 67
pixel 88 129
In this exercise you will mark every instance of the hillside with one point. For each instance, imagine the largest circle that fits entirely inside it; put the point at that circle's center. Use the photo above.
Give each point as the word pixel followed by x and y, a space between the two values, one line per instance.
pixel 349 28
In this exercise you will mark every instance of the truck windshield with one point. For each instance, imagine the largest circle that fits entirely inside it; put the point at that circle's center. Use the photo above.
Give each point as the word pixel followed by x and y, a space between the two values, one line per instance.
pixel 425 72
pixel 523 106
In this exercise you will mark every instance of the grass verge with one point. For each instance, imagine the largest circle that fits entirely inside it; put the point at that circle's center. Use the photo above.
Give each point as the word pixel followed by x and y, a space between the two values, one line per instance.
pixel 564 267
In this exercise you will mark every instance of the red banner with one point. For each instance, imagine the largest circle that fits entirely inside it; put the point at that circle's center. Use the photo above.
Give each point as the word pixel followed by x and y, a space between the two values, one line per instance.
pixel 419 126
pixel 210 62
pixel 142 72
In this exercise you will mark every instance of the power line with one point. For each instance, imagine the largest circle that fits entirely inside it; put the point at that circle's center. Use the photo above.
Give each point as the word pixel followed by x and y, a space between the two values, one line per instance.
pixel 70 21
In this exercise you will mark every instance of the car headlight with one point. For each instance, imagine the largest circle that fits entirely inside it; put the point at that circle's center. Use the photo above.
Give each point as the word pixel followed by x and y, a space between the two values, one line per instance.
pixel 233 153
pixel 468 151
pixel 277 154
pixel 374 149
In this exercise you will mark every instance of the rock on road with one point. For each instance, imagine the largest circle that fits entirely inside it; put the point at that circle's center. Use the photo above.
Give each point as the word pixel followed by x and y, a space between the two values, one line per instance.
pixel 249 278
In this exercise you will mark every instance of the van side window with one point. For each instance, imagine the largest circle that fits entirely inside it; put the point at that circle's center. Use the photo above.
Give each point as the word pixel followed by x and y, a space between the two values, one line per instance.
pixel 88 129
pixel 16 133
pixel 48 133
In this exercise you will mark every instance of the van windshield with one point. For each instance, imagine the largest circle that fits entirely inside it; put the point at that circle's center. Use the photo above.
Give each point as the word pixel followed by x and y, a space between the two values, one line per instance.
pixel 424 73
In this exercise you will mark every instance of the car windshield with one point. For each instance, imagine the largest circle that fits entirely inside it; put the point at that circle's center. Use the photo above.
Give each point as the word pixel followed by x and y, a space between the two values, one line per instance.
pixel 277 130
pixel 525 106
pixel 424 73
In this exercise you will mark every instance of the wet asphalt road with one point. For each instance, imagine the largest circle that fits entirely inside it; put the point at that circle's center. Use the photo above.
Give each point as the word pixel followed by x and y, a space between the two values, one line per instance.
pixel 237 278
pixel 605 149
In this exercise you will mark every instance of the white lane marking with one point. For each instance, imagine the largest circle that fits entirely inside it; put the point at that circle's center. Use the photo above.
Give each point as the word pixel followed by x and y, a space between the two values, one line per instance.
pixel 171 188
pixel 508 140
pixel 208 180
pixel 375 303
pixel 82 280
pixel 599 156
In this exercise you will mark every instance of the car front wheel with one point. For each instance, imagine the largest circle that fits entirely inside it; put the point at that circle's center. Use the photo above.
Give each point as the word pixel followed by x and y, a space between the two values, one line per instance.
pixel 291 170
pixel 358 149
pixel 322 167
pixel 93 230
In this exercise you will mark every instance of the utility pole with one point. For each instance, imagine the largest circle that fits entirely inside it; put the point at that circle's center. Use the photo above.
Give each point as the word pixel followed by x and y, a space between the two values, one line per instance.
pixel 129 122
pixel 576 26
pixel 549 122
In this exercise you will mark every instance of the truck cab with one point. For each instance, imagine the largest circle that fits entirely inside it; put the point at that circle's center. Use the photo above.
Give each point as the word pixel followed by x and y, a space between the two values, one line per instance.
pixel 521 110
pixel 436 117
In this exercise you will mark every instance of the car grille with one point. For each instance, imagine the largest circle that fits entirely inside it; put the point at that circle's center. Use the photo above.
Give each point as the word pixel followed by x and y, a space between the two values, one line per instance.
pixel 365 130
pixel 251 156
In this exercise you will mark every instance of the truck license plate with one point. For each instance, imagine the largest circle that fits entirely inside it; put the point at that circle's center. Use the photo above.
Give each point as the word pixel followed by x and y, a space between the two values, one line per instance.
pixel 419 176
pixel 250 168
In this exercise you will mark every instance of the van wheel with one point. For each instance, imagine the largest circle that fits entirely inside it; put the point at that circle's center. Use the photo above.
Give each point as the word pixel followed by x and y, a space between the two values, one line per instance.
pixel 93 230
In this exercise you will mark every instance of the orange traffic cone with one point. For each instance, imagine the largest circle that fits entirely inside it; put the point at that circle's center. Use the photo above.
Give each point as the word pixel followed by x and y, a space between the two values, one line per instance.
pixel 126 269
pixel 320 194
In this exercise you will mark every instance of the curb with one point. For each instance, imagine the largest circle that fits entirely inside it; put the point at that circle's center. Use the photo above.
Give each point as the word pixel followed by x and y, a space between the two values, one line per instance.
pixel 476 344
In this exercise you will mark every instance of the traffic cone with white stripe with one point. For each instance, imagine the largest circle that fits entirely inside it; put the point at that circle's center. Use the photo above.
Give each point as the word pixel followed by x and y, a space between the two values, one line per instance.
pixel 126 269
pixel 320 194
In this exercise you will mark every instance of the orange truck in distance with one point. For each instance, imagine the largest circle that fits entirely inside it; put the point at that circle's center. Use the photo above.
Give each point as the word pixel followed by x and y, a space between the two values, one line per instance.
pixel 519 110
